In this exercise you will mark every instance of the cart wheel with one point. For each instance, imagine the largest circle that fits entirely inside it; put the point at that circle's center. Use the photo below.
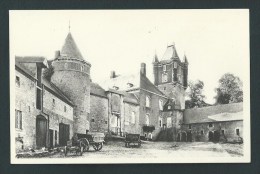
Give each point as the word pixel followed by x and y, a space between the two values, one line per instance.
pixel 98 146
pixel 85 144
pixel 65 151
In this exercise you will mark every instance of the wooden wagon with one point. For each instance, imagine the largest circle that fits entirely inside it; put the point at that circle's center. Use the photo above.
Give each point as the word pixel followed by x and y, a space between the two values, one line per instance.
pixel 133 139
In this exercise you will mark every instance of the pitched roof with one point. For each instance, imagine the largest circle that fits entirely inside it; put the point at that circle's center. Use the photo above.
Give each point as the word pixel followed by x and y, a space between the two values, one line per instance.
pixel 170 53
pixel 70 48
pixel 227 112
pixel 96 89
pixel 56 91
pixel 130 98
pixel 122 82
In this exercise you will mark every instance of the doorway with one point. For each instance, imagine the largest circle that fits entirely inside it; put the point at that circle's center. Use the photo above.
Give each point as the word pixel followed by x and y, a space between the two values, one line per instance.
pixel 64 134
pixel 41 131
pixel 189 136
pixel 183 137
pixel 216 136
pixel 211 136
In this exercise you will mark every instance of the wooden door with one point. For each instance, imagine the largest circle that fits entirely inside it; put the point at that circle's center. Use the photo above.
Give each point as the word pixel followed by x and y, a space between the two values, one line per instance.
pixel 41 131
pixel 51 138
pixel 64 134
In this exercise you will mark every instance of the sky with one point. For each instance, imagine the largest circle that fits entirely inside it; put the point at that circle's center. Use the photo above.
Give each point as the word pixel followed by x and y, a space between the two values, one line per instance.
pixel 214 41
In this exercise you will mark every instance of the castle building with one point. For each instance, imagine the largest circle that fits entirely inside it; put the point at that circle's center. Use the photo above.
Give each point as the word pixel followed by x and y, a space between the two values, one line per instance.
pixel 55 99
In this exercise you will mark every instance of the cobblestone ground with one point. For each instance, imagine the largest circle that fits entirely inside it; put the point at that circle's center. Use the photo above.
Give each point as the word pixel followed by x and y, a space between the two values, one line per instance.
pixel 162 149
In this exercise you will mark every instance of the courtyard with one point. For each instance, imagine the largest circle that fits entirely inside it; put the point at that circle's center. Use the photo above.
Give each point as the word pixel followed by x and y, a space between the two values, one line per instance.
pixel 114 149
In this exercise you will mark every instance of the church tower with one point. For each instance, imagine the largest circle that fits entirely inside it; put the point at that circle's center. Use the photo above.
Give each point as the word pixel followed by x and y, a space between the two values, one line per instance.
pixel 171 75
pixel 72 76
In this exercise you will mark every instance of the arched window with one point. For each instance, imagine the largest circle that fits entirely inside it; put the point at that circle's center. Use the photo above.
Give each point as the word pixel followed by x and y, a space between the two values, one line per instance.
pixel 147 119
pixel 147 101
pixel 133 118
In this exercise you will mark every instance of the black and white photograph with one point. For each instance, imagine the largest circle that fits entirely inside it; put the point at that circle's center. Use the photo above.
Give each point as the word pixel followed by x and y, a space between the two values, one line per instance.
pixel 129 86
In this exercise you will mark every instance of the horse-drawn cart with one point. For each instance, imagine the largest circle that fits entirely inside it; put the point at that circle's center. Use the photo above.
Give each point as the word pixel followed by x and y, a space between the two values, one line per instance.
pixel 133 139
pixel 94 139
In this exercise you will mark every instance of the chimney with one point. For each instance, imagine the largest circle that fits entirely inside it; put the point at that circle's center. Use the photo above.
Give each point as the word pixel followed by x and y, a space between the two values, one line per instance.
pixel 143 69
pixel 112 74
pixel 57 54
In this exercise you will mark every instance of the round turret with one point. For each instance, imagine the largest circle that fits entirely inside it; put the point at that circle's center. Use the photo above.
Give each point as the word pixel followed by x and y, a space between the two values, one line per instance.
pixel 72 76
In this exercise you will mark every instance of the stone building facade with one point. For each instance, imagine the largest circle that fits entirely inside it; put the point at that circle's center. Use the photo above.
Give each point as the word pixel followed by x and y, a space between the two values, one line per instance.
pixel 50 110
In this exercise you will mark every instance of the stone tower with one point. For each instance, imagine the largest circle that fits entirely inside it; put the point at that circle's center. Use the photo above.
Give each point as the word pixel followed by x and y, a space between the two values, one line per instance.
pixel 171 75
pixel 72 76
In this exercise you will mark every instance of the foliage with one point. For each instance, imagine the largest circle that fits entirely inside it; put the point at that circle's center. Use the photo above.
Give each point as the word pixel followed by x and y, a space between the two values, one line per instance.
pixel 229 89
pixel 195 94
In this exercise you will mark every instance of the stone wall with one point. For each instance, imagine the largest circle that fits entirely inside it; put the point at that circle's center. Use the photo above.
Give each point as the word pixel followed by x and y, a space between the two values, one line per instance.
pixel 76 85
pixel 98 114
pixel 25 98
pixel 200 131
pixel 57 106
pixel 131 125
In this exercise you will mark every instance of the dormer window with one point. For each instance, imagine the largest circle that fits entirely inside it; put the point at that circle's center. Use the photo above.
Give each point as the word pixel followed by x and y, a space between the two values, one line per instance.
pixel 129 85
pixel 115 87
pixel 164 67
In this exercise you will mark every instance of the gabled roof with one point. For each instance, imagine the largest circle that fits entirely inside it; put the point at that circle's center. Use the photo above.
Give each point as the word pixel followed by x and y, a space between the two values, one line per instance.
pixel 219 113
pixel 170 53
pixel 70 48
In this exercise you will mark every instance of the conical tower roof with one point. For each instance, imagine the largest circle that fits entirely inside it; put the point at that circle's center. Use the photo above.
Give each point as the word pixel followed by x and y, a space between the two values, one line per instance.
pixel 170 53
pixel 70 48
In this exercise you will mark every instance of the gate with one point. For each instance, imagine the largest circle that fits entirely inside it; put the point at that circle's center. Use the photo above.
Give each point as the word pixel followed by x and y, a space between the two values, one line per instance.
pixel 64 134
pixel 41 131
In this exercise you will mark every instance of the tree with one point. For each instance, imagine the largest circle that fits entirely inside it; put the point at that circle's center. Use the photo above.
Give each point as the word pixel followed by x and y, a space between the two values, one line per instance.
pixel 195 94
pixel 229 89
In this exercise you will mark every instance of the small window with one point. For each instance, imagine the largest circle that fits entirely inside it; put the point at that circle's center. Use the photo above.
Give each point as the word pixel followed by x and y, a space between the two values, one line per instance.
pixel 17 81
pixel 130 85
pixel 160 105
pixel 147 100
pixel 147 119
pixel 18 119
pixel 105 122
pixel 222 132
pixel 29 109
pixel 175 64
pixel 160 122
pixel 164 77
pixel 237 132
pixel 201 132
pixel 53 102
pixel 65 109
pixel 133 118
pixel 189 126
pixel 164 67
pixel 210 125
pixel 115 87
pixel 92 120
pixel 169 107
pixel 82 68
